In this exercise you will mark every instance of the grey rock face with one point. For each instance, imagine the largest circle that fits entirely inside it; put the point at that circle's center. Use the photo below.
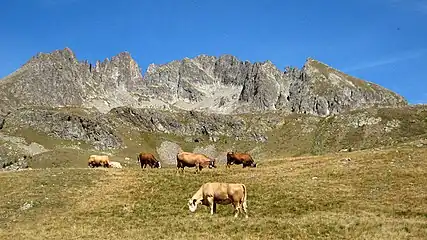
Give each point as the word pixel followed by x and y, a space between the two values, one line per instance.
pixel 321 90
pixel 1 122
pixel 65 125
pixel 204 83
pixel 58 79
pixel 11 158
pixel 167 152
pixel 227 85
pixel 14 165
pixel 194 124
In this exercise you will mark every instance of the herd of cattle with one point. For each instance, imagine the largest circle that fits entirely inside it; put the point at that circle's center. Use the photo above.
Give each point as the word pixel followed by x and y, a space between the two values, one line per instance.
pixel 183 159
pixel 209 194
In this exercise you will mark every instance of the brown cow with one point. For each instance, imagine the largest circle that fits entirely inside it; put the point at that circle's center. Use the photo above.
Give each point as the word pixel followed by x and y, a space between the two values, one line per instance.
pixel 98 161
pixel 240 158
pixel 210 194
pixel 187 159
pixel 148 159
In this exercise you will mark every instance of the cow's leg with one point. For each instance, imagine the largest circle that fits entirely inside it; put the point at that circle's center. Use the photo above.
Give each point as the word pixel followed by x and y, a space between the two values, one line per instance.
pixel 245 209
pixel 236 209
pixel 180 168
pixel 212 204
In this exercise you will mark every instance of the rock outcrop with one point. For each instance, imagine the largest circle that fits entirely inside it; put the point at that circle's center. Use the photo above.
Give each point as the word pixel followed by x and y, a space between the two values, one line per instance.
pixel 58 79
pixel 61 124
pixel 204 83
pixel 194 124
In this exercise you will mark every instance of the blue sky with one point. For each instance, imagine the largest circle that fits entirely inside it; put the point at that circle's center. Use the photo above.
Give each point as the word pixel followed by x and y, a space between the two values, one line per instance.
pixel 383 41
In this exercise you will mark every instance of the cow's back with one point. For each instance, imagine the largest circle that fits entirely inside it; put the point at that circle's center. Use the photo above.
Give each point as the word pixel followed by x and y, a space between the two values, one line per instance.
pixel 187 158
pixel 223 191
pixel 241 157
pixel 99 157
pixel 147 157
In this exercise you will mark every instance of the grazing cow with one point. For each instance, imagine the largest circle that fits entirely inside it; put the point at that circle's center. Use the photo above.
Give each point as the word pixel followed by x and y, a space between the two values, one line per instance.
pixel 115 165
pixel 148 159
pixel 187 159
pixel 240 158
pixel 98 161
pixel 210 194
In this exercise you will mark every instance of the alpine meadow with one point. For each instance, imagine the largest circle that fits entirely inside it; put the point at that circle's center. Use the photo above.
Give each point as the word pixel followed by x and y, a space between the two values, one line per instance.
pixel 323 154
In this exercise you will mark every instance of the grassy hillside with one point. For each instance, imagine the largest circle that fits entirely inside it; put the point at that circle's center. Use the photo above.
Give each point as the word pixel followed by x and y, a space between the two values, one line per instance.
pixel 376 195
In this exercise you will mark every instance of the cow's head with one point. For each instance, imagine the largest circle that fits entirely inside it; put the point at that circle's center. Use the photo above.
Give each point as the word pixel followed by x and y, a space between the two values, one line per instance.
pixel 212 163
pixel 157 164
pixel 192 204
pixel 249 164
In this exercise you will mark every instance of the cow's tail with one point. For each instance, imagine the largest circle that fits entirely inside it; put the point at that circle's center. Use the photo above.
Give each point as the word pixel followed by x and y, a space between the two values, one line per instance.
pixel 178 162
pixel 245 193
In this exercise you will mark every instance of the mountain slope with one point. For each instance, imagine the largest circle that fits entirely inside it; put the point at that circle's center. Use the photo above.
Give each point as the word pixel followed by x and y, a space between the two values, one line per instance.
pixel 64 136
pixel 220 85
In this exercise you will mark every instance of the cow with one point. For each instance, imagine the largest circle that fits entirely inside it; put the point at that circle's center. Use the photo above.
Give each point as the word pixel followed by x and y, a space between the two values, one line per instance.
pixel 240 158
pixel 115 165
pixel 188 159
pixel 98 161
pixel 212 193
pixel 148 159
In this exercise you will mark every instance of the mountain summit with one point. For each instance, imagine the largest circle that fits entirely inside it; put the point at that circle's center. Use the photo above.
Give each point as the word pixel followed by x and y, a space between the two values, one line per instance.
pixel 213 84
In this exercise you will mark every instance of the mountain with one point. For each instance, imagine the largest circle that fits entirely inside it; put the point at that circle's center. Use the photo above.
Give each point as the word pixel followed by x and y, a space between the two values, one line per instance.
pixel 56 110
pixel 212 84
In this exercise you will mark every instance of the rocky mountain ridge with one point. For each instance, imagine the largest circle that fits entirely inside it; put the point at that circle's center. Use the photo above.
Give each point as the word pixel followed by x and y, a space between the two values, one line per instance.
pixel 57 108
pixel 205 83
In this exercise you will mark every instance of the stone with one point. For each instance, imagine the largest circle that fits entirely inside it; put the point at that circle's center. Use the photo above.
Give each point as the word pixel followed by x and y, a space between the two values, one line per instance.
pixel 167 152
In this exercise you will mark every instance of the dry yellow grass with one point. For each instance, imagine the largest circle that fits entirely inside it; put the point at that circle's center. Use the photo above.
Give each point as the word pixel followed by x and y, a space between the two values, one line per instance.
pixel 376 195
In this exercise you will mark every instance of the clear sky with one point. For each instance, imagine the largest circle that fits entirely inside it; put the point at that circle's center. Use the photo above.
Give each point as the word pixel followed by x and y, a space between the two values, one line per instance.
pixel 383 41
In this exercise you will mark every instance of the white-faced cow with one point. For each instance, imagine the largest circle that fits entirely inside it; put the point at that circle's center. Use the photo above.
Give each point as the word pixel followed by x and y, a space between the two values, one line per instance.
pixel 210 194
